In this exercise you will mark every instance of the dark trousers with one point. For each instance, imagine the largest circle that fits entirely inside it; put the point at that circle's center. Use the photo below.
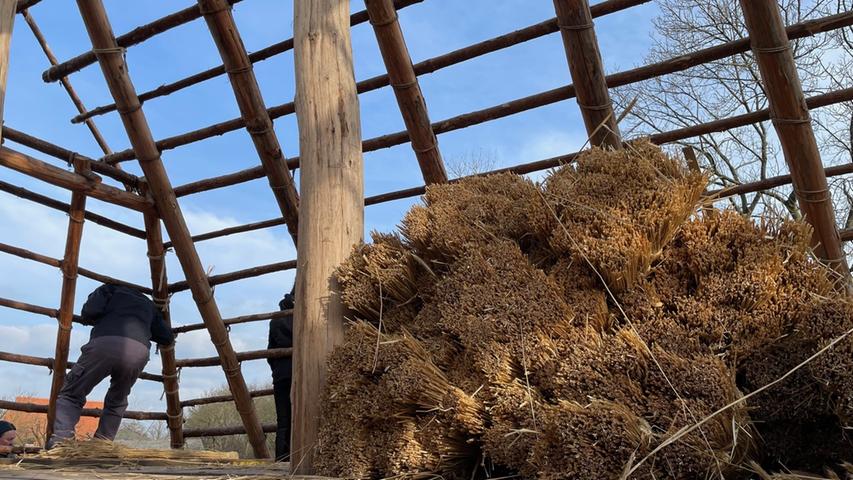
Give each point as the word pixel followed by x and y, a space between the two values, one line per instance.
pixel 281 391
pixel 122 359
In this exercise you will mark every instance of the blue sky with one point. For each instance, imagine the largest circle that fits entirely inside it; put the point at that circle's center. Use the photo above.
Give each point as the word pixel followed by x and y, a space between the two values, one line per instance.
pixel 431 28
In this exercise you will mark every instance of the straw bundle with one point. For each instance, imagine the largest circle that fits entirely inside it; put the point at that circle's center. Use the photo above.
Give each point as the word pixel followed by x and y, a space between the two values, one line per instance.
pixel 96 449
pixel 566 330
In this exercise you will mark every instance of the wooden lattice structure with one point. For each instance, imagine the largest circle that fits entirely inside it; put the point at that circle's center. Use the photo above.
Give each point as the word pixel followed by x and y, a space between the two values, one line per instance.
pixel 331 189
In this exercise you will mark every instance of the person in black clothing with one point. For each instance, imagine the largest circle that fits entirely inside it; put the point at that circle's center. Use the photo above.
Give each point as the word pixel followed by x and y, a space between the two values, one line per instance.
pixel 281 336
pixel 124 322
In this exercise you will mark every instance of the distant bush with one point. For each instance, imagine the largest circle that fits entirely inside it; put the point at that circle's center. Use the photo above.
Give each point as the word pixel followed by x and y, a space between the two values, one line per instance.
pixel 225 415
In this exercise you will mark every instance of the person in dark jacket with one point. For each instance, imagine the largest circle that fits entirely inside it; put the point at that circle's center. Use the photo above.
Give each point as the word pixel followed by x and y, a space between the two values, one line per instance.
pixel 8 434
pixel 124 322
pixel 281 336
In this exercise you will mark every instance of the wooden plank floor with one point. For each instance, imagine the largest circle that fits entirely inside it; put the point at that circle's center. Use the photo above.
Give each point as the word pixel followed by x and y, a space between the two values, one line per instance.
pixel 71 470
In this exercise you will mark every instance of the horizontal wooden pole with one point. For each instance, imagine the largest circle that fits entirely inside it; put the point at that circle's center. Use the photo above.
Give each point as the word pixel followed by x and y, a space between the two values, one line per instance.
pixel 237 229
pixel 262 54
pixel 68 156
pixel 224 398
pixel 846 234
pixel 48 362
pixel 238 275
pixel 64 207
pixel 133 37
pixel 627 77
pixel 223 431
pixel 54 262
pixel 257 317
pixel 62 178
pixel 86 412
pixel 27 307
pixel 428 66
pixel 241 356
pixel 817 101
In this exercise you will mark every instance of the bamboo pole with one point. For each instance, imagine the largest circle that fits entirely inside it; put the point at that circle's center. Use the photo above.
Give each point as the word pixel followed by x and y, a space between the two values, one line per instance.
pixel 54 262
pixel 66 155
pixel 115 72
pixel 72 181
pixel 48 362
pixel 672 65
pixel 26 307
pixel 159 282
pixel 332 186
pixel 581 45
pixel 7 22
pixel 133 37
pixel 224 431
pixel 792 121
pixel 241 356
pixel 237 275
pixel 253 110
pixel 404 81
pixel 254 57
pixel 257 317
pixel 69 267
pixel 224 398
pixel 86 412
pixel 64 207
pixel 66 83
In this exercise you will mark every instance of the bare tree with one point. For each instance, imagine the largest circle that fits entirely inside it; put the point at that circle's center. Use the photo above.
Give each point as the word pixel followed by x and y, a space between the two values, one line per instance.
pixel 732 86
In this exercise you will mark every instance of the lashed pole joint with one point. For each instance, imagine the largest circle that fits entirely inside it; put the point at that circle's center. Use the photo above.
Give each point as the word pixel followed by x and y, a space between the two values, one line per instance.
pixel 404 81
pixel 790 116
pixel 112 63
pixel 576 27
pixel 69 267
pixel 220 21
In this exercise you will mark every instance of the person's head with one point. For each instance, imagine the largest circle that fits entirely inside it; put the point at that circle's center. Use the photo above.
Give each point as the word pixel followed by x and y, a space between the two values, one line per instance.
pixel 8 434
pixel 287 302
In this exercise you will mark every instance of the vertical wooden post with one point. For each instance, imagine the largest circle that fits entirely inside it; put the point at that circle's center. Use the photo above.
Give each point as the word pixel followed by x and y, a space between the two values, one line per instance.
pixel 160 285
pixel 7 21
pixel 410 99
pixel 790 116
pixel 111 59
pixel 66 302
pixel 331 209
pixel 579 40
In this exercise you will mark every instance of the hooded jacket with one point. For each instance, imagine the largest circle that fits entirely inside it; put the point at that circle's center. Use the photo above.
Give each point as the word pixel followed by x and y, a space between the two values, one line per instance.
pixel 281 336
pixel 117 310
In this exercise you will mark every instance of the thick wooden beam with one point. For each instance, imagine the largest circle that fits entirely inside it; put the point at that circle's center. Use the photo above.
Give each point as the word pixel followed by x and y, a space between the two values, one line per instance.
pixel 64 207
pixel 332 214
pixel 427 66
pixel 790 116
pixel 224 398
pixel 66 83
pixel 23 5
pixel 242 356
pixel 672 65
pixel 54 262
pixel 133 37
pixel 86 412
pixel 237 275
pixel 75 182
pixel 254 57
pixel 253 110
pixel 404 81
pixel 69 156
pixel 48 362
pixel 160 285
pixel 224 431
pixel 257 317
pixel 7 21
pixel 111 59
pixel 581 45
pixel 69 269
